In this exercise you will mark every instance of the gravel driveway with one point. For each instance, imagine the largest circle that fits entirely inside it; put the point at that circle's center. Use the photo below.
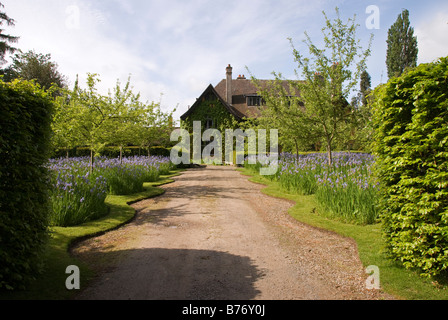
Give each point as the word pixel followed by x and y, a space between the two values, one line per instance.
pixel 214 235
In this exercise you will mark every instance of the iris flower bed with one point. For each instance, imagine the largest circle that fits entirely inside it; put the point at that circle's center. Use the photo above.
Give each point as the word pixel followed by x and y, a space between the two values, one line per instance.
pixel 346 189
pixel 78 195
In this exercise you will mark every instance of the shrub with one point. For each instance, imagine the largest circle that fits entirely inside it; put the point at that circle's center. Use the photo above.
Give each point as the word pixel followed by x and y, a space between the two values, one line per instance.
pixel 25 118
pixel 411 117
pixel 114 152
pixel 122 178
pixel 349 192
pixel 109 152
pixel 76 195
pixel 346 190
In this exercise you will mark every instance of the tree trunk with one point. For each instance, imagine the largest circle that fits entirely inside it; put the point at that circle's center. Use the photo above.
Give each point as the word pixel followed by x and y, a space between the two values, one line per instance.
pixel 297 150
pixel 329 152
pixel 91 161
pixel 121 154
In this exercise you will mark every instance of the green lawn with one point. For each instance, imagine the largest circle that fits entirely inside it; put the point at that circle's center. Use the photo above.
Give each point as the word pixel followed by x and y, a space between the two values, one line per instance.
pixel 51 284
pixel 396 280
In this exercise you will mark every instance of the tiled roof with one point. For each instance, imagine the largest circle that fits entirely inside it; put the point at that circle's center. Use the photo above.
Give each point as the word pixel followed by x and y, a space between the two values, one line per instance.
pixel 241 88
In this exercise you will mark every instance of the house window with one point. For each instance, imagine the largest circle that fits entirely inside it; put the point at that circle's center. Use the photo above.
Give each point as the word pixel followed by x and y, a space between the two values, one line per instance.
pixel 254 101
pixel 209 124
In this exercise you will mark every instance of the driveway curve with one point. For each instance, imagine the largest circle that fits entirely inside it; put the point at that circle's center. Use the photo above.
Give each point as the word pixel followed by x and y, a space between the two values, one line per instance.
pixel 214 236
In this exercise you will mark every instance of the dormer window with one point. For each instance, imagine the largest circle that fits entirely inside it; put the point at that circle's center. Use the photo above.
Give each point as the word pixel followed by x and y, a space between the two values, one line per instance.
pixel 254 101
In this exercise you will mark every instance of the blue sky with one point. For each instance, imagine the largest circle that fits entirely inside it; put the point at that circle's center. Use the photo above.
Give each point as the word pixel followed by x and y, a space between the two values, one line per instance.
pixel 174 49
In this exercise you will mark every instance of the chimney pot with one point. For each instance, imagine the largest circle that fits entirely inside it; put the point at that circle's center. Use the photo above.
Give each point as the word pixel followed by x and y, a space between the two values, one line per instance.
pixel 229 84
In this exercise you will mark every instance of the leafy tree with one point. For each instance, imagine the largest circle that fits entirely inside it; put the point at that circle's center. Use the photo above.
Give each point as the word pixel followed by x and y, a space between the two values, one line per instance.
pixel 35 66
pixel 365 87
pixel 321 111
pixel 402 49
pixel 137 123
pixel 155 128
pixel 65 135
pixel 363 130
pixel 90 117
pixel 84 117
pixel 6 39
pixel 282 113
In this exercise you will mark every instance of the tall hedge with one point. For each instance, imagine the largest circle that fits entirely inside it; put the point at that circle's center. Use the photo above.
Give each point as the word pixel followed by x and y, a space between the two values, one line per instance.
pixel 113 152
pixel 411 122
pixel 25 116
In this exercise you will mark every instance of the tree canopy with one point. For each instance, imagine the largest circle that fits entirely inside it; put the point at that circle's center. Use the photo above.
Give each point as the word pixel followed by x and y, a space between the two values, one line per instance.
pixel 5 39
pixel 84 117
pixel 402 48
pixel 35 66
pixel 316 108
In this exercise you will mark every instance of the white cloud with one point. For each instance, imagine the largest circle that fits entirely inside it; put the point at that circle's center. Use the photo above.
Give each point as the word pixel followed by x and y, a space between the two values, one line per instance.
pixel 432 37
pixel 78 48
pixel 172 47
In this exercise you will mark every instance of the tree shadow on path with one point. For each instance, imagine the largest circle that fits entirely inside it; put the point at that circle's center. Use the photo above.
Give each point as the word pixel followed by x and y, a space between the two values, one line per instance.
pixel 172 274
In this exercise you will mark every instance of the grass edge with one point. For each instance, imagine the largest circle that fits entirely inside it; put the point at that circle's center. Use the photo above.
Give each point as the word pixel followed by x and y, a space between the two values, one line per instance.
pixel 402 283
pixel 50 285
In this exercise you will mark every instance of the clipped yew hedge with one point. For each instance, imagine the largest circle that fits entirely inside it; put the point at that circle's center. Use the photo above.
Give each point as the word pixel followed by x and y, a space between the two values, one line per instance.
pixel 25 117
pixel 113 152
pixel 411 122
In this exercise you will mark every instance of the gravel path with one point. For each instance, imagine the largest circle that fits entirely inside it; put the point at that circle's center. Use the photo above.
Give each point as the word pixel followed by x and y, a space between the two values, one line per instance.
pixel 214 235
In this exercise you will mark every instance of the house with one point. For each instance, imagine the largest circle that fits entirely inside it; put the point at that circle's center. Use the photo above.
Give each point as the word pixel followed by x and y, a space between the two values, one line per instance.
pixel 229 102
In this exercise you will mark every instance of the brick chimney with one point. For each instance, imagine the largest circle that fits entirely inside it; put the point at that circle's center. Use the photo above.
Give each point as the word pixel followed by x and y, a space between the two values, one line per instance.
pixel 229 84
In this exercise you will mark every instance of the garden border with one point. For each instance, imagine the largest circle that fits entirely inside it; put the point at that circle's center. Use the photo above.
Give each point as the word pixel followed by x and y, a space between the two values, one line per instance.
pixel 395 279
pixel 50 285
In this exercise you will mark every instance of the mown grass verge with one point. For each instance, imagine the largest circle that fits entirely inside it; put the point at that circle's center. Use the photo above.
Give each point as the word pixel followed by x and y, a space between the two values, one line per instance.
pixel 396 280
pixel 51 284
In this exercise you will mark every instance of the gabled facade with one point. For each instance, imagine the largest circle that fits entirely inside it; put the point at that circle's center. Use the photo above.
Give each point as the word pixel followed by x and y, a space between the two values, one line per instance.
pixel 226 105
pixel 209 106
pixel 232 100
